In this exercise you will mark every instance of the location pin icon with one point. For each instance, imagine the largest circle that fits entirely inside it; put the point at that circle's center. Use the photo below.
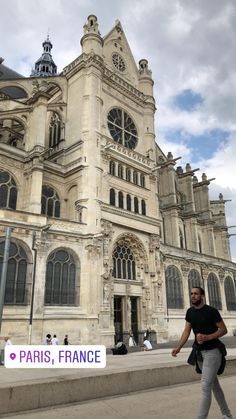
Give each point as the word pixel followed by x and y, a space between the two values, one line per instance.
pixel 12 356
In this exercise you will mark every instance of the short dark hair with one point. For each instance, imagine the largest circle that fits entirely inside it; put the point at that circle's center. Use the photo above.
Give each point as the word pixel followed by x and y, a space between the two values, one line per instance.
pixel 201 290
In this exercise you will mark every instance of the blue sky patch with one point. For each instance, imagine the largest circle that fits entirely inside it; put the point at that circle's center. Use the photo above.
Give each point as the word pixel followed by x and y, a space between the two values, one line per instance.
pixel 188 100
pixel 203 146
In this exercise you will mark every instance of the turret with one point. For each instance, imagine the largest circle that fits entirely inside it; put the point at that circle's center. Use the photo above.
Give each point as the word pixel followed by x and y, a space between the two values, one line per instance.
pixel 145 78
pixel 45 66
pixel 92 40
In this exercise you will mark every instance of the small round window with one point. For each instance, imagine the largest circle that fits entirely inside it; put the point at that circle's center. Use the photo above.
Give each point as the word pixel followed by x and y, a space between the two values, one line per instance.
pixel 122 128
pixel 118 62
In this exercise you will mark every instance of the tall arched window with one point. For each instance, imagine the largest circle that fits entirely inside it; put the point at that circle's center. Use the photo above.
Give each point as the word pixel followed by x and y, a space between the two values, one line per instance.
pixel 112 197
pixel 128 174
pixel 60 279
pixel 50 202
pixel 143 207
pixel 174 288
pixel 54 129
pixel 8 191
pixel 136 206
pixel 112 168
pixel 128 202
pixel 142 180
pixel 121 200
pixel 214 291
pixel 15 292
pixel 135 178
pixel 194 280
pixel 120 171
pixel 230 293
pixel 199 244
pixel 181 239
pixel 123 263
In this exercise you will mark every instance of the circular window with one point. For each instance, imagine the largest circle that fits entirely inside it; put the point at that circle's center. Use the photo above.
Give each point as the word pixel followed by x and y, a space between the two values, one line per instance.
pixel 118 62
pixel 122 128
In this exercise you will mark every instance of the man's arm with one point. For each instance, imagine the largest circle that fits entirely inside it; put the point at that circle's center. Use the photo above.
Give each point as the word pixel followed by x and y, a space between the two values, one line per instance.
pixel 222 330
pixel 183 339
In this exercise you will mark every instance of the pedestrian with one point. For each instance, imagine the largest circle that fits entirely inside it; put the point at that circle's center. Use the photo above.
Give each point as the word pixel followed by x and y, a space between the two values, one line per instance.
pixel 131 339
pixel 7 341
pixel 147 346
pixel 66 341
pixel 54 340
pixel 147 334
pixel 119 349
pixel 48 340
pixel 208 326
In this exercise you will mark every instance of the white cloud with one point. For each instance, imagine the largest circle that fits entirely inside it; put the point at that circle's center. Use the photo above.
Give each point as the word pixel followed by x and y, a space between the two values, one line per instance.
pixel 177 149
pixel 222 164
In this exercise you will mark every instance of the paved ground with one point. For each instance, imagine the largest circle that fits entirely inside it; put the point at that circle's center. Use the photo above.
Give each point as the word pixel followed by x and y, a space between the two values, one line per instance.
pixel 174 402
pixel 132 361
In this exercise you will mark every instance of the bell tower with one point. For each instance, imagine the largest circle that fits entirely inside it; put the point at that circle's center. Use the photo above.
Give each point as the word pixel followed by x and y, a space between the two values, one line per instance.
pixel 45 66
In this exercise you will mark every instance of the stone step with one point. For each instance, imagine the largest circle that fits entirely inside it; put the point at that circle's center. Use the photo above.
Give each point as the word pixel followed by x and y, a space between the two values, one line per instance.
pixel 35 394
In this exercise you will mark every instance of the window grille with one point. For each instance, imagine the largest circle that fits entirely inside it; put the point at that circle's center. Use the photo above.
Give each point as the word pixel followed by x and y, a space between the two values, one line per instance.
pixel 8 191
pixel 123 263
pixel 122 128
pixel 60 279
pixel 50 202
pixel 15 292
pixel 230 293
pixel 174 288
pixel 214 291
pixel 112 197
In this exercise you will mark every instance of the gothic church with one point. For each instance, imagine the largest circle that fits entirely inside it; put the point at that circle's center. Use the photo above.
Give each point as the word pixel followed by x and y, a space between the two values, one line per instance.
pixel 108 234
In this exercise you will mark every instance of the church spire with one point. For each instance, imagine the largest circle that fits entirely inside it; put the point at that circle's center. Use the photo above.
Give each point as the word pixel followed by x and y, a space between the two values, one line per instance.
pixel 45 66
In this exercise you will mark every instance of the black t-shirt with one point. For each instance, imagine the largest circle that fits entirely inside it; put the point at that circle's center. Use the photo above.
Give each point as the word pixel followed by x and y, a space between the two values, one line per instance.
pixel 203 320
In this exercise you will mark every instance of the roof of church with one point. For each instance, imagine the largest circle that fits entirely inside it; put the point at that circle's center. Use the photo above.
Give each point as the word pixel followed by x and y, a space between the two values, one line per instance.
pixel 7 73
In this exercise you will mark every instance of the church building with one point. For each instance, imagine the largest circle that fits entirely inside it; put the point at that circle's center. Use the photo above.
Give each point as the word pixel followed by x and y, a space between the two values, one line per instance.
pixel 108 234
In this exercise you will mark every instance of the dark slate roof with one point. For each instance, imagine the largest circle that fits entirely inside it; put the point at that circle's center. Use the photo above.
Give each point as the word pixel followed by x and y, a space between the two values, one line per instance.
pixel 7 73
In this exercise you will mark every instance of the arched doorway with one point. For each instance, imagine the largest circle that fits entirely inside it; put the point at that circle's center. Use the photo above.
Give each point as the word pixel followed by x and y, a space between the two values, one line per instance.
pixel 128 257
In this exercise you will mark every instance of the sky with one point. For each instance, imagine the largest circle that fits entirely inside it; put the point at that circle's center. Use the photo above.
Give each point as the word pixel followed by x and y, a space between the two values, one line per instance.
pixel 190 47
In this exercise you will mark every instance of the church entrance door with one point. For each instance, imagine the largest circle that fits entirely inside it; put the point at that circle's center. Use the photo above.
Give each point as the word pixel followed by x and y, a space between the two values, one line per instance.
pixel 118 318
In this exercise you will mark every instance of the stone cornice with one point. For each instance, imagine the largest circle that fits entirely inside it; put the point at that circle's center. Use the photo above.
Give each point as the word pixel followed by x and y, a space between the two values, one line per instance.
pixel 114 80
pixel 129 157
pixel 130 215
pixel 184 255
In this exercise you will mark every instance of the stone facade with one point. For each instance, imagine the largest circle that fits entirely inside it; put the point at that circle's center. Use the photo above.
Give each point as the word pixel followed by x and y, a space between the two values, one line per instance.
pixel 107 233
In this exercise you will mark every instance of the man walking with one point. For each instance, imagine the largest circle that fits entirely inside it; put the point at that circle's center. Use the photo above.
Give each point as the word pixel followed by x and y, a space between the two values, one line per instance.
pixel 208 326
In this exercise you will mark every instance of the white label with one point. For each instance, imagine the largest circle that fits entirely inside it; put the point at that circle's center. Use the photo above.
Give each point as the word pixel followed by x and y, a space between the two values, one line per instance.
pixel 55 356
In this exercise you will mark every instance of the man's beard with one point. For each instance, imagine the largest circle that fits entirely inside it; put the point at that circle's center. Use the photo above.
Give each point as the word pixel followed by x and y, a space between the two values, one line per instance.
pixel 196 303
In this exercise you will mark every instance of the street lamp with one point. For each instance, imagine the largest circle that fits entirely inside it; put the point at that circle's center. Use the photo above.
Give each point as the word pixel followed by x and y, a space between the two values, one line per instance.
pixel 34 248
pixel 4 271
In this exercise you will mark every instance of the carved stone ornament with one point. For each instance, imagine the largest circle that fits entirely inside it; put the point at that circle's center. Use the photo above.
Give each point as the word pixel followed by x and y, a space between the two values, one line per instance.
pixel 135 244
pixel 107 228
pixel 221 274
pixel 94 248
pixel 107 274
pixel 147 294
pixel 185 268
pixel 106 293
pixel 3 96
pixel 154 242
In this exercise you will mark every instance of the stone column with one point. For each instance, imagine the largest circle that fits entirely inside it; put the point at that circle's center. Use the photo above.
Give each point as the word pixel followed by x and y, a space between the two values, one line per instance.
pixel 36 180
pixel 185 268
